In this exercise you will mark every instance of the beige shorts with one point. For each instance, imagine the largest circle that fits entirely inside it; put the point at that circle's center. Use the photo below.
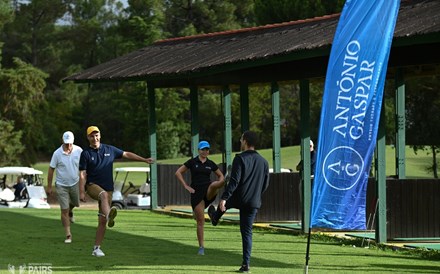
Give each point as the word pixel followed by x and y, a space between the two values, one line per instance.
pixel 68 196
pixel 93 190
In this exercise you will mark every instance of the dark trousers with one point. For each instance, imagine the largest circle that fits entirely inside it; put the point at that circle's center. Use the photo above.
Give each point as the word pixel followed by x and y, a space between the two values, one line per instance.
pixel 247 217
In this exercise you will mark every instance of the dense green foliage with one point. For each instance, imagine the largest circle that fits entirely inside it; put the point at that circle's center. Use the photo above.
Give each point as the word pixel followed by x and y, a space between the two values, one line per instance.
pixel 277 11
pixel 423 130
pixel 21 96
pixel 47 40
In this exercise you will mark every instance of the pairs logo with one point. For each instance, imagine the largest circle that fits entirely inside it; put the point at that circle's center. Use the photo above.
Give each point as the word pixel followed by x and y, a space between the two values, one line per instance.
pixel 41 268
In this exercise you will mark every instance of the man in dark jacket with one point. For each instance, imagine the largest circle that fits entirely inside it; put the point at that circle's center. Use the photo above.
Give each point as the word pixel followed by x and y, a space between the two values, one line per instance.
pixel 249 179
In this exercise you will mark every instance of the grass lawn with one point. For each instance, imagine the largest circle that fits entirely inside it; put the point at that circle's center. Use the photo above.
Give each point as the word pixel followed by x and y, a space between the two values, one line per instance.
pixel 148 242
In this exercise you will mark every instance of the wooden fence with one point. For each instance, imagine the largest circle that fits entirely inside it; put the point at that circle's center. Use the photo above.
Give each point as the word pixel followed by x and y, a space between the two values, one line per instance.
pixel 413 206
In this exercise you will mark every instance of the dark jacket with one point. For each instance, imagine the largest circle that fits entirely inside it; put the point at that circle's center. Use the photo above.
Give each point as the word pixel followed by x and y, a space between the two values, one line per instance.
pixel 249 180
pixel 299 166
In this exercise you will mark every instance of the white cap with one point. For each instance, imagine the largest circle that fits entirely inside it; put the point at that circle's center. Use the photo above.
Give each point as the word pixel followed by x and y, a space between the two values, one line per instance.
pixel 68 137
pixel 311 143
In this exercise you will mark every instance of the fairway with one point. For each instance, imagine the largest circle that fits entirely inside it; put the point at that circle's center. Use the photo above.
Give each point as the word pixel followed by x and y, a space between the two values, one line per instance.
pixel 150 242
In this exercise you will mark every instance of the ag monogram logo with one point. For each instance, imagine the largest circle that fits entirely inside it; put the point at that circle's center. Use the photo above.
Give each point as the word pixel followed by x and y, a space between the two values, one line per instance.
pixel 342 168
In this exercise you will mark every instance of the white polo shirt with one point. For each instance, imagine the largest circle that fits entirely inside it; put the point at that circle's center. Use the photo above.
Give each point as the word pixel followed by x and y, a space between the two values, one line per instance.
pixel 66 166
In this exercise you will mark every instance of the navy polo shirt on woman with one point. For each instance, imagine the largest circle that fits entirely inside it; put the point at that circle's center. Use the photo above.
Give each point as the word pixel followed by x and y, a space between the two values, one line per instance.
pixel 98 164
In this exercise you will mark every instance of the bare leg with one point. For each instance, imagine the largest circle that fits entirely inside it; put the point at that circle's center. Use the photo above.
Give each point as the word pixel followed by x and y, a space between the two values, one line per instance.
pixel 213 189
pixel 102 219
pixel 71 207
pixel 65 220
pixel 100 231
pixel 199 212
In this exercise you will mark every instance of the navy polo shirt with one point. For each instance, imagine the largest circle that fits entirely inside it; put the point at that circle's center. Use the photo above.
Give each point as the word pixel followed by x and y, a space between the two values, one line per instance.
pixel 200 172
pixel 98 164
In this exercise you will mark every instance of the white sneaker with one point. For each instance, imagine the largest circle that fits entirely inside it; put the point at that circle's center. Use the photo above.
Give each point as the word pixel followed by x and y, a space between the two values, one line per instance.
pixel 97 252
pixel 68 239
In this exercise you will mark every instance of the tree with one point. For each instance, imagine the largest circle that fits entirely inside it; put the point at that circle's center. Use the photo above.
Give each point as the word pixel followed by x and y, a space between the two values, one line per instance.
pixel 62 37
pixel 276 11
pixel 36 36
pixel 148 21
pixel 211 117
pixel 30 35
pixel 173 130
pixel 10 144
pixel 189 17
pixel 144 24
pixel 423 105
pixel 6 12
pixel 22 94
pixel 21 87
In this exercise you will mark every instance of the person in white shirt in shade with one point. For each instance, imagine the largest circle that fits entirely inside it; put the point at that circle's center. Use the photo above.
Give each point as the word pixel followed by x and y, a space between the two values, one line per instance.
pixel 65 160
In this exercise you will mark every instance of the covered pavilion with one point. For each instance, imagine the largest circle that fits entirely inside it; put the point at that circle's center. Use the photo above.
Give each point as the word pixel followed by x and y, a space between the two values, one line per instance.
pixel 298 51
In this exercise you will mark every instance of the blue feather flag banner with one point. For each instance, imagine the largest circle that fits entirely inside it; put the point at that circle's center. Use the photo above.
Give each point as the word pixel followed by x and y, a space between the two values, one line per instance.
pixel 351 111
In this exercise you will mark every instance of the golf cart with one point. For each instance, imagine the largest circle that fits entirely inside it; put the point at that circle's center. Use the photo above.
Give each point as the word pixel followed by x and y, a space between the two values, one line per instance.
pixel 29 191
pixel 127 195
pixel 282 170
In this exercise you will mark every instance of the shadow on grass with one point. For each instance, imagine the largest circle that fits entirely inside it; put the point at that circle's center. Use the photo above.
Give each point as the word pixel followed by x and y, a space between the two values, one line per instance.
pixel 146 242
pixel 137 242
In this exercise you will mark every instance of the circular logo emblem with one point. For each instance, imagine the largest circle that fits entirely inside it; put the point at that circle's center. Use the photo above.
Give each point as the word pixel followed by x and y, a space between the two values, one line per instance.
pixel 342 168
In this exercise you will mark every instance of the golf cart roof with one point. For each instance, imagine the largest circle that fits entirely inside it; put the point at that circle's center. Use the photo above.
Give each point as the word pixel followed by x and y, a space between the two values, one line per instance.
pixel 19 170
pixel 132 169
pixel 282 170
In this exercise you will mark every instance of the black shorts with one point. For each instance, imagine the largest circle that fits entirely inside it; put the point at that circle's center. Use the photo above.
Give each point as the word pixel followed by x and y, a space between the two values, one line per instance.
pixel 199 195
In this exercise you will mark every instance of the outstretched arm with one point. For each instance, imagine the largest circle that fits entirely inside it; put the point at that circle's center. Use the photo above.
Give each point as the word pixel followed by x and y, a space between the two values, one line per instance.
pixel 135 157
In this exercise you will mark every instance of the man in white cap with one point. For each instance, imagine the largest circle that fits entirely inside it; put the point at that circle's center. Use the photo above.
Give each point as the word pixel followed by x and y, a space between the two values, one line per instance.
pixel 65 160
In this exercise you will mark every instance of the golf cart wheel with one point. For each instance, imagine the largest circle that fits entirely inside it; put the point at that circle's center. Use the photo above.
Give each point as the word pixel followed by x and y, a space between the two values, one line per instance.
pixel 118 205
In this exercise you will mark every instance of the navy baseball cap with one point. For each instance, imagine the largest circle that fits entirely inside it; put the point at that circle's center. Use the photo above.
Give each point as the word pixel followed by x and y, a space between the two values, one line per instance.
pixel 204 144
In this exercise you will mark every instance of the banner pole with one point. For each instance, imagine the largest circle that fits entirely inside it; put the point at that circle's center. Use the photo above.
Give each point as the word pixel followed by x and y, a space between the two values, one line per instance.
pixel 306 267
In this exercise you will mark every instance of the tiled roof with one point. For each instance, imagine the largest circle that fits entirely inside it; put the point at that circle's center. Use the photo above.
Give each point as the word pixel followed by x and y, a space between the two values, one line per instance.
pixel 209 56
